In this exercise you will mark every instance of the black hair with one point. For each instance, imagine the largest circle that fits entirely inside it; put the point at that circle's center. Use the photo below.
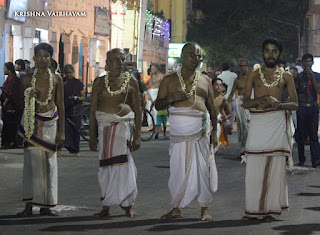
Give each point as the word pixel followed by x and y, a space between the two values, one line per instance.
pixel 45 47
pixel 225 86
pixel 243 59
pixel 10 67
pixel 307 56
pixel 21 63
pixel 215 80
pixel 225 66
pixel 157 66
pixel 281 61
pixel 136 74
pixel 273 41
pixel 67 66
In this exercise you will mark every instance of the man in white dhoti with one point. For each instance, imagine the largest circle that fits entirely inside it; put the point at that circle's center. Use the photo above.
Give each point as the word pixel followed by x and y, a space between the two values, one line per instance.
pixel 190 96
pixel 154 82
pixel 243 115
pixel 43 114
pixel 113 95
pixel 269 142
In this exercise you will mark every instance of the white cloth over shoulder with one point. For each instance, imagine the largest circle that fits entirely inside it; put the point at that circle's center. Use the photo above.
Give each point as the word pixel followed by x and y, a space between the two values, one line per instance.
pixel 117 173
pixel 243 118
pixel 193 172
pixel 153 93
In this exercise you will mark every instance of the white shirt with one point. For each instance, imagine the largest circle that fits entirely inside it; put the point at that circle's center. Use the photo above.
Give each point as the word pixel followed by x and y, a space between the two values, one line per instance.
pixel 300 69
pixel 228 78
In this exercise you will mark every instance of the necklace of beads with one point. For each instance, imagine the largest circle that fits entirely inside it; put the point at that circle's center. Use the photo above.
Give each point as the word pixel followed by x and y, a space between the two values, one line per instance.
pixel 184 85
pixel 123 86
pixel 280 75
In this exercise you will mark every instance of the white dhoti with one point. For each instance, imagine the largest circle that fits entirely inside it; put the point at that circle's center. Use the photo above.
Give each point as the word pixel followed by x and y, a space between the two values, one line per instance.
pixel 268 149
pixel 193 172
pixel 117 173
pixel 40 171
pixel 243 117
pixel 153 93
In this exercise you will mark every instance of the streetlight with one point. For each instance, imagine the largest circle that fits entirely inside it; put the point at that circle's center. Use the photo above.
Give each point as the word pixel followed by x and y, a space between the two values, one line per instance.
pixel 298 29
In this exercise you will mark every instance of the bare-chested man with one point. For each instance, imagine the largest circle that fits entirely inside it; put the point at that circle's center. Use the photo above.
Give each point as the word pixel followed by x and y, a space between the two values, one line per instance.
pixel 223 111
pixel 116 108
pixel 44 91
pixel 269 142
pixel 189 96
pixel 154 83
pixel 243 115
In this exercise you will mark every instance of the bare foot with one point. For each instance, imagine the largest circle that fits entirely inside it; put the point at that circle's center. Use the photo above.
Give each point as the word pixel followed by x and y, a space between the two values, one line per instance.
pixel 205 216
pixel 248 218
pixel 27 212
pixel 269 218
pixel 59 153
pixel 76 155
pixel 47 211
pixel 174 213
pixel 131 213
pixel 103 213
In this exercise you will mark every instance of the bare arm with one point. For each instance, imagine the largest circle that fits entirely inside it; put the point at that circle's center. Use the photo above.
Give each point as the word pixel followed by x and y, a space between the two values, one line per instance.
pixel 247 101
pixel 227 110
pixel 165 99
pixel 293 104
pixel 136 106
pixel 234 88
pixel 213 115
pixel 92 121
pixel 60 106
pixel 313 82
pixel 82 95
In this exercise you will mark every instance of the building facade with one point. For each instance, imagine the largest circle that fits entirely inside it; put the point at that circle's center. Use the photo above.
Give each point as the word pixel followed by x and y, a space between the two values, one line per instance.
pixel 311 34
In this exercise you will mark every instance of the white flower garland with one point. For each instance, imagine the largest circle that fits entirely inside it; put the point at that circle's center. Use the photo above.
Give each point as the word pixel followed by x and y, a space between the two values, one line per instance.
pixel 280 75
pixel 33 83
pixel 123 86
pixel 30 104
pixel 194 83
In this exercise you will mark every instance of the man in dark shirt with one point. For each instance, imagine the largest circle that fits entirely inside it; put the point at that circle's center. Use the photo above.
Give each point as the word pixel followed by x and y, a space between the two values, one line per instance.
pixel 307 85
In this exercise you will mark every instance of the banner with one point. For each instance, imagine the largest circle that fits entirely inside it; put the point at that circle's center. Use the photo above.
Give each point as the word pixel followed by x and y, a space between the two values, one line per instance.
pixel 101 22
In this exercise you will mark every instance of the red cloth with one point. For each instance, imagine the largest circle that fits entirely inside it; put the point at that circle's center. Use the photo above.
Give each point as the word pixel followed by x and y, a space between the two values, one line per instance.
pixel 11 90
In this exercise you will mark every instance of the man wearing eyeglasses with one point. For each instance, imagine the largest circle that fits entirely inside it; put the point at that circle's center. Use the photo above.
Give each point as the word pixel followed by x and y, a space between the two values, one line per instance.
pixel 189 96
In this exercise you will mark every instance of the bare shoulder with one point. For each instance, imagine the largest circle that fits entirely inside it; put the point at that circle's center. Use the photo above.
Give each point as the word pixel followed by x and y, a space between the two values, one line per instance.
pixel 253 74
pixel 58 78
pixel 287 76
pixel 133 82
pixel 168 78
pixel 26 81
pixel 204 78
pixel 98 81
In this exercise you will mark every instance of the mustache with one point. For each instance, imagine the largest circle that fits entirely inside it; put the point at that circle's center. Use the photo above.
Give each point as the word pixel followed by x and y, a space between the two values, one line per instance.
pixel 270 58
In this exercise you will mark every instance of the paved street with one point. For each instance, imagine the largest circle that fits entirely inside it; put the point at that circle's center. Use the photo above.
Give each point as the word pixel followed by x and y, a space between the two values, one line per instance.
pixel 79 198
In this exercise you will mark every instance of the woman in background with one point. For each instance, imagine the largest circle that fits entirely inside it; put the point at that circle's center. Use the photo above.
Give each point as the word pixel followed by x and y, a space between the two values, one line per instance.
pixel 73 97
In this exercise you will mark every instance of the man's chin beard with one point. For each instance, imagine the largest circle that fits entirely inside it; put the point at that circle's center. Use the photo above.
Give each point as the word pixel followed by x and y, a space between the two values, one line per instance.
pixel 270 64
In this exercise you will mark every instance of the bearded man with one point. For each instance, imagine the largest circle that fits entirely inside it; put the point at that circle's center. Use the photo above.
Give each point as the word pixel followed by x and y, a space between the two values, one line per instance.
pixel 269 142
